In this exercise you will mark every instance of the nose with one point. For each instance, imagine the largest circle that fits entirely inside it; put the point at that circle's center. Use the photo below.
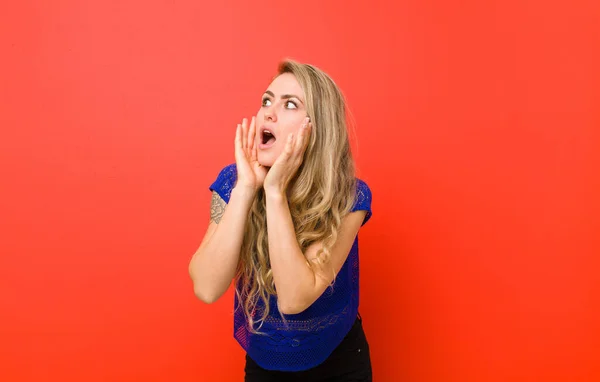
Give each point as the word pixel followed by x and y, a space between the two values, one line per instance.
pixel 270 115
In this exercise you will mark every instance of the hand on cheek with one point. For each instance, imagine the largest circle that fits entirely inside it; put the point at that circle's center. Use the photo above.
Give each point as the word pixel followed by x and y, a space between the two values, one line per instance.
pixel 288 162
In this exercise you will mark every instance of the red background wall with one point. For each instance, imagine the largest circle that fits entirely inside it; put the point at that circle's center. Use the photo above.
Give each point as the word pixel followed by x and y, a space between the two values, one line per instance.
pixel 479 134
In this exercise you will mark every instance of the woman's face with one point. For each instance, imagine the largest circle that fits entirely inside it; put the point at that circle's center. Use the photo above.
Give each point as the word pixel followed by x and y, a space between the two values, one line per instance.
pixel 282 113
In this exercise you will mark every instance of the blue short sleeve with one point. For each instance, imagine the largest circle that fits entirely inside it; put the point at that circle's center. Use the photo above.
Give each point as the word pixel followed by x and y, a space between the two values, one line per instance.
pixel 363 199
pixel 225 182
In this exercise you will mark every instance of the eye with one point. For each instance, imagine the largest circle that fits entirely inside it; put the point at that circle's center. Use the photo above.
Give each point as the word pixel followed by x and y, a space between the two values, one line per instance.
pixel 292 103
pixel 266 102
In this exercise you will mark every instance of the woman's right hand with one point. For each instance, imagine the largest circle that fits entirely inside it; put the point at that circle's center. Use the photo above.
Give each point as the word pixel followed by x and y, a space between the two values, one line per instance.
pixel 250 174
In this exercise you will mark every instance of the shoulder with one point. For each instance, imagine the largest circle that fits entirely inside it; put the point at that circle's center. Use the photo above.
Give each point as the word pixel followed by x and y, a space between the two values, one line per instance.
pixel 362 189
pixel 363 199
pixel 225 182
pixel 228 172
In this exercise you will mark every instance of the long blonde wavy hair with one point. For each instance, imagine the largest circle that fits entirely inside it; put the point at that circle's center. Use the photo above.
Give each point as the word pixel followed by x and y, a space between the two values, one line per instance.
pixel 320 195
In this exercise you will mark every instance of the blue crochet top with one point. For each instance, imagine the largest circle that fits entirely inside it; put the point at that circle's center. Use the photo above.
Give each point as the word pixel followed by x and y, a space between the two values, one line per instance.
pixel 306 339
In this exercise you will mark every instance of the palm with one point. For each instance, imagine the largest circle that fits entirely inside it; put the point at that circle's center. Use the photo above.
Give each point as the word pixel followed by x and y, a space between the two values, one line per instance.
pixel 250 172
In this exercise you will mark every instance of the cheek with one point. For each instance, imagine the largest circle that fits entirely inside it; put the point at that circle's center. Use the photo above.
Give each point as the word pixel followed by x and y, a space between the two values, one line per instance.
pixel 267 158
pixel 290 125
pixel 260 114
pixel 293 129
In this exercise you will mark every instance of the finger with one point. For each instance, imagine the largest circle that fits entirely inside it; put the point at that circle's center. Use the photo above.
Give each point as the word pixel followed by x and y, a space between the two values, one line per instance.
pixel 307 135
pixel 253 155
pixel 251 133
pixel 244 134
pixel 238 141
pixel 298 141
pixel 300 145
pixel 289 147
pixel 254 152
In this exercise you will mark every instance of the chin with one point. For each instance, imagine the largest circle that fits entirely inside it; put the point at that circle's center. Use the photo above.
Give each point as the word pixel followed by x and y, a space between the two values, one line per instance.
pixel 265 159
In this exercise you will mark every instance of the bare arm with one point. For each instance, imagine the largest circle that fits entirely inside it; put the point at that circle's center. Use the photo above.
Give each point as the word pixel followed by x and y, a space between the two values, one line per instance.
pixel 213 266
pixel 300 280
pixel 299 285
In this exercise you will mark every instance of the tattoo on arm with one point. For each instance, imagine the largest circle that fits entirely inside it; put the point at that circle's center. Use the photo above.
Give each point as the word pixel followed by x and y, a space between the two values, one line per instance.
pixel 217 208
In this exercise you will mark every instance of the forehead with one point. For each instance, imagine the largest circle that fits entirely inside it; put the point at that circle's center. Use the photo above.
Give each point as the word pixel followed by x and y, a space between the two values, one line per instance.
pixel 286 83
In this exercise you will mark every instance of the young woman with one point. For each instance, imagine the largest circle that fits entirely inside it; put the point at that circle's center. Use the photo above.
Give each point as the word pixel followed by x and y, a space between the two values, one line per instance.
pixel 284 224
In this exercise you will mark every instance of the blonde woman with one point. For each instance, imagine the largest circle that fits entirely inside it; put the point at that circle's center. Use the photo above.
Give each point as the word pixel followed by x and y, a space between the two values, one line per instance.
pixel 284 224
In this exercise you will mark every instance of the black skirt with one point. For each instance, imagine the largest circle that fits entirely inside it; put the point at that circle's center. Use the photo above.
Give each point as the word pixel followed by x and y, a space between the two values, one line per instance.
pixel 350 361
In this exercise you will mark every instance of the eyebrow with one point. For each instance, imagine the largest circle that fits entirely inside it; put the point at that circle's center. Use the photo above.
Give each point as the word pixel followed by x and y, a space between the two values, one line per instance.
pixel 285 96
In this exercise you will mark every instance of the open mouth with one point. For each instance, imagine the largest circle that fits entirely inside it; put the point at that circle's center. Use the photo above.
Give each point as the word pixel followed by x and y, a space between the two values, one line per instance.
pixel 267 138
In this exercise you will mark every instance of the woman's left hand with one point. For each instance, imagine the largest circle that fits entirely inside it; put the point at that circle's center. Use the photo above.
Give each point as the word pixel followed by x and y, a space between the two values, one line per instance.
pixel 288 162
